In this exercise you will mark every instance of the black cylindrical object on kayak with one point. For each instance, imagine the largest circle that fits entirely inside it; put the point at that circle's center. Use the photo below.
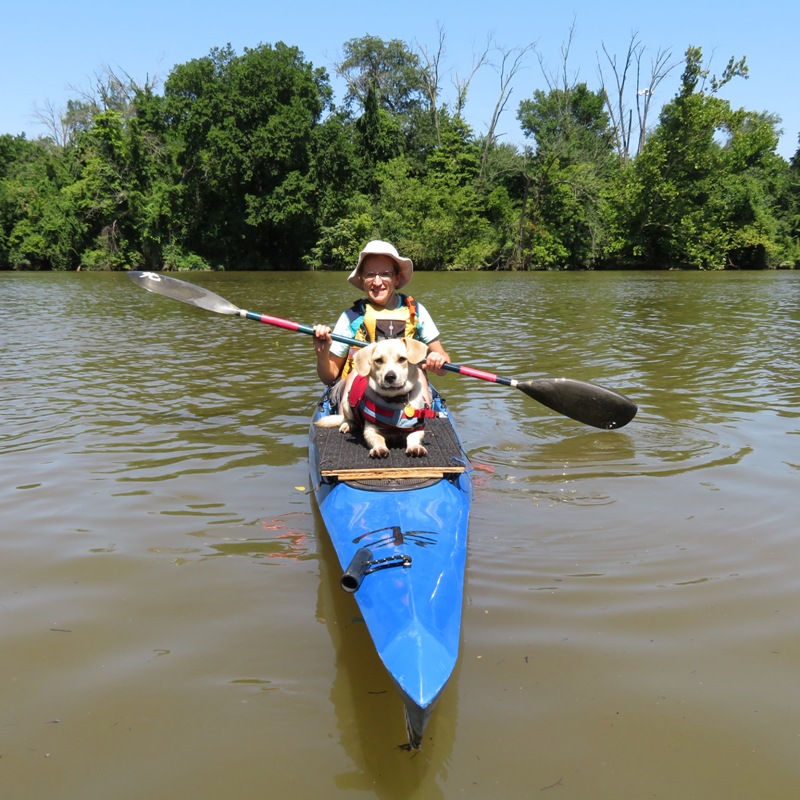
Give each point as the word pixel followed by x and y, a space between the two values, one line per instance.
pixel 358 568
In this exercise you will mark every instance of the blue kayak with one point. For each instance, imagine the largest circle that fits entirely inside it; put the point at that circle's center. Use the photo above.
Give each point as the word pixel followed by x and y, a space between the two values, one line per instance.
pixel 399 528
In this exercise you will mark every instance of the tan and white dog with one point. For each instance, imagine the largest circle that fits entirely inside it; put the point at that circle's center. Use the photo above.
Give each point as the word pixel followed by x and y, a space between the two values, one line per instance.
pixel 387 393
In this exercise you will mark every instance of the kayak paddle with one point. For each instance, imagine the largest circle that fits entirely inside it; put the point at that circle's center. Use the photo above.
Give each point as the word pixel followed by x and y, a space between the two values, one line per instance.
pixel 584 402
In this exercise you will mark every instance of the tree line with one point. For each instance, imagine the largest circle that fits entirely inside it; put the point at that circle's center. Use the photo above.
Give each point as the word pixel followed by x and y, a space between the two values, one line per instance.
pixel 244 161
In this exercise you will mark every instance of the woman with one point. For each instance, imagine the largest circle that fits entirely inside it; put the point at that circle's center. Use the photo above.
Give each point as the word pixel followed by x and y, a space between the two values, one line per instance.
pixel 384 313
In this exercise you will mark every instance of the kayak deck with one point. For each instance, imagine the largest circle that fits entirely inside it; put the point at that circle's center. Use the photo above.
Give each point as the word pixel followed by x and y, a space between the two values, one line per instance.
pixel 346 456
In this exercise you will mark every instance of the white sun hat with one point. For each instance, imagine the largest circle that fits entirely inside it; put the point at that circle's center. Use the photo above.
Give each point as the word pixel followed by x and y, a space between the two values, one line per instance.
pixel 377 247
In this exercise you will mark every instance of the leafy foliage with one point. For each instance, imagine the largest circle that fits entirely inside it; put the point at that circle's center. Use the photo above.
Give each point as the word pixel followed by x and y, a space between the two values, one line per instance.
pixel 244 162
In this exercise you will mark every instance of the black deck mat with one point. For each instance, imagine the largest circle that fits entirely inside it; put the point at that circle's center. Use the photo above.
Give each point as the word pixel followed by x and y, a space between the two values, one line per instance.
pixel 346 451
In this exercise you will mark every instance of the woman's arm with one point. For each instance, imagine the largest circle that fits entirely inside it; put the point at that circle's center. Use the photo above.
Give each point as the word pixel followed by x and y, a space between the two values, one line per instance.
pixel 329 366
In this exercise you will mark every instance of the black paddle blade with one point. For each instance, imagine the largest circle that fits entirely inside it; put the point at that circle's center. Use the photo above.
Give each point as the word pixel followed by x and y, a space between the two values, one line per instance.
pixel 184 292
pixel 584 402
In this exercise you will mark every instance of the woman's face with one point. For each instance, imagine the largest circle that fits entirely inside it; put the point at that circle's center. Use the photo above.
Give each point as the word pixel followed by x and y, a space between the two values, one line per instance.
pixel 379 278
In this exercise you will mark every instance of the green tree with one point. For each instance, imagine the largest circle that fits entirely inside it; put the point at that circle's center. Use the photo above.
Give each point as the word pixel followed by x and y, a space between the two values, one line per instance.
pixel 438 217
pixel 567 173
pixel 393 94
pixel 790 207
pixel 39 225
pixel 703 189
pixel 388 69
pixel 246 125
pixel 380 138
pixel 102 192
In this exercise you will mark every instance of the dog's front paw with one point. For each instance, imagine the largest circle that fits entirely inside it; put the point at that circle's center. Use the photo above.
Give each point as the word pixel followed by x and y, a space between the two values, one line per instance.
pixel 414 446
pixel 379 452
pixel 344 427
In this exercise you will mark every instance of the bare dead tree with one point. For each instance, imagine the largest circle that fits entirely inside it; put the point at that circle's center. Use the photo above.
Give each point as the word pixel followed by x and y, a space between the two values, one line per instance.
pixel 659 69
pixel 462 84
pixel 562 79
pixel 431 76
pixel 620 114
pixel 54 122
pixel 110 91
pixel 616 108
pixel 511 62
pixel 114 90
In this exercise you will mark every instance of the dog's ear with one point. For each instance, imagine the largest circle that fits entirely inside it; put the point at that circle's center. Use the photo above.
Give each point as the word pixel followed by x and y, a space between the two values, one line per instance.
pixel 362 360
pixel 416 350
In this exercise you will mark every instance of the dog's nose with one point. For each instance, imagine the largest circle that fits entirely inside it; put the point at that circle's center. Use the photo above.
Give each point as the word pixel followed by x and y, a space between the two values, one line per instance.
pixel 390 377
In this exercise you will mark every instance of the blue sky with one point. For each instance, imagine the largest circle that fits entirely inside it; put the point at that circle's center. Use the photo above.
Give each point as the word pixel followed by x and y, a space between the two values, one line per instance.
pixel 52 49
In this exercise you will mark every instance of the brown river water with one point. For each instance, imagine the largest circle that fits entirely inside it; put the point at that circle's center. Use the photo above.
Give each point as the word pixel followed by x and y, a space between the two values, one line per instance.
pixel 171 626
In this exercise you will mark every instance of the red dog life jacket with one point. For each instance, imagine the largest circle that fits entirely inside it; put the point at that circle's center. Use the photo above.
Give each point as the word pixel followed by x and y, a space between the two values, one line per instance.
pixel 390 419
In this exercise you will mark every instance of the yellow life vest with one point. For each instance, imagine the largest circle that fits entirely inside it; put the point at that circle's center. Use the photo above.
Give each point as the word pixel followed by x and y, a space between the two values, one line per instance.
pixel 373 323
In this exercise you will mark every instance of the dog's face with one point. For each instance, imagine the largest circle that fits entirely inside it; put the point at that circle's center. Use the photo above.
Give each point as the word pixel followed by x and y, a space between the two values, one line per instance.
pixel 391 365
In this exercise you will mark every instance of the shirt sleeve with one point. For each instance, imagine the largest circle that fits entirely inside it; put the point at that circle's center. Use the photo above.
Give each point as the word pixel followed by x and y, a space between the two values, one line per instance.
pixel 342 328
pixel 427 327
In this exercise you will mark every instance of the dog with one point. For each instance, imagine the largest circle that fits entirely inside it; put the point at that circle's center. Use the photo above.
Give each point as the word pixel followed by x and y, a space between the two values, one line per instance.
pixel 387 394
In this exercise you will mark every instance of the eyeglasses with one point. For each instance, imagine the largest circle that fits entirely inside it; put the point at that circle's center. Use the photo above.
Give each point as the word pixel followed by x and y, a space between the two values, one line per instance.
pixel 384 276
